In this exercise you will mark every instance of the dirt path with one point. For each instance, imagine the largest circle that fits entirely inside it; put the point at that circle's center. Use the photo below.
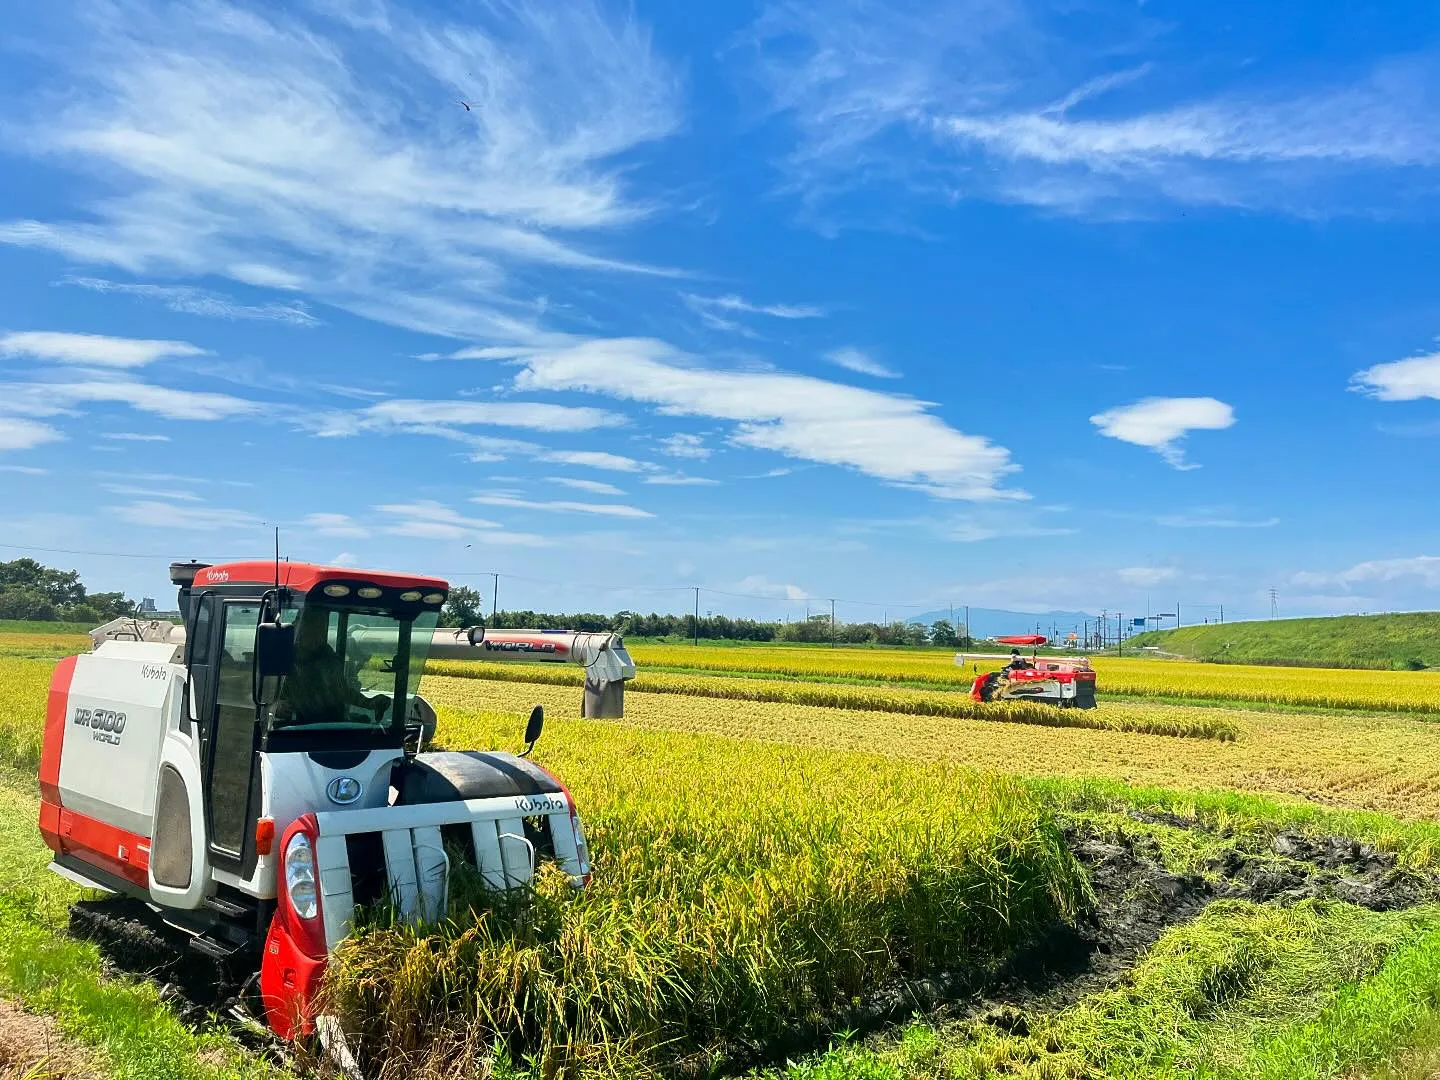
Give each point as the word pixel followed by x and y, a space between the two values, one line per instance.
pixel 32 1048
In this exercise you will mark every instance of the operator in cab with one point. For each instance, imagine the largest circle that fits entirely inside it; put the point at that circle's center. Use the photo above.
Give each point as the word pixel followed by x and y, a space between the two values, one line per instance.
pixel 318 688
pixel 1017 662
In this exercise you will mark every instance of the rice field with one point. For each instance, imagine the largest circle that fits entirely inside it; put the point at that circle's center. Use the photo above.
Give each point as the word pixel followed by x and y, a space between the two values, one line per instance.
pixel 782 847
pixel 1326 688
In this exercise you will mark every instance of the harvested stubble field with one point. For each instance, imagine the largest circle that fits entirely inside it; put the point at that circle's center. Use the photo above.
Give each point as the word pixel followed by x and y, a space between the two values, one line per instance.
pixel 778 881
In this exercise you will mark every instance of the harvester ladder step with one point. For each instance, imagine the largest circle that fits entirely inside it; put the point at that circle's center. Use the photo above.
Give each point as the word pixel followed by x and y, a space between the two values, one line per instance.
pixel 229 908
pixel 213 947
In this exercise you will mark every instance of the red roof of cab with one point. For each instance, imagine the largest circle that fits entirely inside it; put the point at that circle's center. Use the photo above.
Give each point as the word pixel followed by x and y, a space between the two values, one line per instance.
pixel 306 576
pixel 1023 639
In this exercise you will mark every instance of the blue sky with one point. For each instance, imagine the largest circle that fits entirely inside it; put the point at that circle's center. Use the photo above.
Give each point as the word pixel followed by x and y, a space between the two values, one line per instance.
pixel 1079 305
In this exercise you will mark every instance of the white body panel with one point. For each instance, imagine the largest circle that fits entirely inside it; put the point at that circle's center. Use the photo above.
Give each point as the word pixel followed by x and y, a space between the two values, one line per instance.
pixel 122 700
pixel 294 784
pixel 415 862
pixel 181 751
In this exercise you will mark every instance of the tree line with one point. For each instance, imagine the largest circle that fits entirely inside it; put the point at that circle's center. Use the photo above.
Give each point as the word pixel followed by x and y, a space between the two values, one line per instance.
pixel 463 608
pixel 31 590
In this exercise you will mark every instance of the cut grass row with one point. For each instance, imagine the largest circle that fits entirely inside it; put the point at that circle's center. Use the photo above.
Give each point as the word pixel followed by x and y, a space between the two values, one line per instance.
pixel 1320 687
pixel 1201 724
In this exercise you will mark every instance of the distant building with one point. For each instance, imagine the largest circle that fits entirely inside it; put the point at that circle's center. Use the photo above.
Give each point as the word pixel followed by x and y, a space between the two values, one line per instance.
pixel 147 606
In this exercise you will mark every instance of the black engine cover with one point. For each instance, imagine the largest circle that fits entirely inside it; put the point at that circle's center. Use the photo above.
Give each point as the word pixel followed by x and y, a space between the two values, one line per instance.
pixel 445 776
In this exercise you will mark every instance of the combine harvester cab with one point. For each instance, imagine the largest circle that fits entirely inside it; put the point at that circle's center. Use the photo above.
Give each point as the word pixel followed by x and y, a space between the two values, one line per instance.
pixel 258 773
pixel 1062 681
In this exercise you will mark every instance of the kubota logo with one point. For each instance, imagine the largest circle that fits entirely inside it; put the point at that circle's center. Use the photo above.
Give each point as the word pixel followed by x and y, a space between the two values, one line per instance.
pixel 106 725
pixel 213 576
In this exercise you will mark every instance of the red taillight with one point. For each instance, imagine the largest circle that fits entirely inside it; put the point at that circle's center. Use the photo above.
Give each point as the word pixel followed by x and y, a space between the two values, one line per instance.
pixel 264 836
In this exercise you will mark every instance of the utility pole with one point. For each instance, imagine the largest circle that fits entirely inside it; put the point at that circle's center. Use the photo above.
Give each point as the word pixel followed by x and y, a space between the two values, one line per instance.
pixel 832 623
pixel 1177 614
pixel 495 597
pixel 1222 613
pixel 1120 632
pixel 1274 602
pixel 697 615
pixel 967 626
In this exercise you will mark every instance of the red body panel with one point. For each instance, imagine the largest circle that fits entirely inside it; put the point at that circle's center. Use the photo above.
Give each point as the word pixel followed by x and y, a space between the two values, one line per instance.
pixel 295 952
pixel 1023 639
pixel 56 709
pixel 306 576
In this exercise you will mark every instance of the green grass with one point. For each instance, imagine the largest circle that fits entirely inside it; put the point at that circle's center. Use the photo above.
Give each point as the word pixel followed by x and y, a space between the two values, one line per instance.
pixel 33 626
pixel 136 1036
pixel 1375 641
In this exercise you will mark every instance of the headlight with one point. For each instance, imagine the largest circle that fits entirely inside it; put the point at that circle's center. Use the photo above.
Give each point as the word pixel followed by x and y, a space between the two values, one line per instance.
pixel 410 595
pixel 300 881
pixel 368 592
pixel 435 598
pixel 337 590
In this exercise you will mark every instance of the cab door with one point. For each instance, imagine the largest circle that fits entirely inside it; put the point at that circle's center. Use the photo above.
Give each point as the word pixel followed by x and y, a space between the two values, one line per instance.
pixel 231 775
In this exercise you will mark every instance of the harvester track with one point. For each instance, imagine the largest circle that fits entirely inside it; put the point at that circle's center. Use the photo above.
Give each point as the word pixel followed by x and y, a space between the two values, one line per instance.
pixel 204 992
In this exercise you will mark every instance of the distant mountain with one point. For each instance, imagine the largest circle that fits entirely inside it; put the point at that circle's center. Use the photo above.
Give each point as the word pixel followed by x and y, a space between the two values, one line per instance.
pixel 991 622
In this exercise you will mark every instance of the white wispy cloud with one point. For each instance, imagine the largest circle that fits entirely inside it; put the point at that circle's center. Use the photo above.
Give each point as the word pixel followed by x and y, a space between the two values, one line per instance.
pixel 91 350
pixel 1401 380
pixel 190 300
pixel 17 433
pixel 679 480
pixel 134 436
pixel 562 506
pixel 597 459
pixel 682 445
pixel 1422 570
pixel 1147 575
pixel 328 524
pixel 303 148
pixel 996 100
pixel 51 398
pixel 153 513
pixel 448 417
pixel 23 470
pixel 1160 423
pixel 427 519
pixel 163 494
pixel 852 359
pixel 760 585
pixel 1202 519
pixel 804 417
pixel 710 309
pixel 594 487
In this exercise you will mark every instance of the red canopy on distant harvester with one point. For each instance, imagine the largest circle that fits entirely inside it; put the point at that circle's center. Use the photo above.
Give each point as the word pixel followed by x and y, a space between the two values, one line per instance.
pixel 1023 639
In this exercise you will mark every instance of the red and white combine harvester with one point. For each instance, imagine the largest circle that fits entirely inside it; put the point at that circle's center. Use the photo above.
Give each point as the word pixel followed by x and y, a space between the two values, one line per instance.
pixel 1062 681
pixel 258 772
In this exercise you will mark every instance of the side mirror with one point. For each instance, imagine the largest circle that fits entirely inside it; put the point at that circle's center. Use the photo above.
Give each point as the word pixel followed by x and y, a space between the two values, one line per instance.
pixel 533 728
pixel 274 649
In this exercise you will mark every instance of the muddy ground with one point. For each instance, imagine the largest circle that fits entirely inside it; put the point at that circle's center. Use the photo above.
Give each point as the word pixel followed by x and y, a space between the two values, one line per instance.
pixel 32 1048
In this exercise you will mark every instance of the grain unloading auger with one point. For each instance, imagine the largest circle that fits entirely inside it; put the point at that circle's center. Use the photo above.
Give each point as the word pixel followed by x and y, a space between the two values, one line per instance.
pixel 257 773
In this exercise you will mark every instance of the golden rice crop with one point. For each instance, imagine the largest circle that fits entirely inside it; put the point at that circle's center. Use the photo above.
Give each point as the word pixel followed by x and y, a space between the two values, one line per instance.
pixel 1200 724
pixel 1354 760
pixel 740 889
pixel 1329 688
pixel 23 688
